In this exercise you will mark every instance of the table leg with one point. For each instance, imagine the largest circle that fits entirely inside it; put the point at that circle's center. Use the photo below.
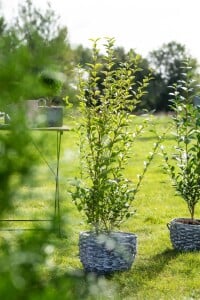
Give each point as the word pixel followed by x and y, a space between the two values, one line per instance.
pixel 57 196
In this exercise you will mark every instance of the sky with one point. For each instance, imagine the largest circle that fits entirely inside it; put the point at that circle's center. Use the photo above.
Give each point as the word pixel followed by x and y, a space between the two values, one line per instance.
pixel 143 25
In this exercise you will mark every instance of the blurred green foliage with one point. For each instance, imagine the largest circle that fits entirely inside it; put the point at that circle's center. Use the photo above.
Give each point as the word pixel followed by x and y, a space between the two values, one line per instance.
pixel 25 272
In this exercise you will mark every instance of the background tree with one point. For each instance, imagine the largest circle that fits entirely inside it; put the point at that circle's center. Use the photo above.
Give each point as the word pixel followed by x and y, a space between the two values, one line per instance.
pixel 83 56
pixel 14 63
pixel 166 64
pixel 142 72
pixel 46 43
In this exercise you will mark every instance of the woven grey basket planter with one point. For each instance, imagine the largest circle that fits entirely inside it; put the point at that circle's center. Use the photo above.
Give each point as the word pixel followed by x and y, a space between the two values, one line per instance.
pixel 183 236
pixel 106 253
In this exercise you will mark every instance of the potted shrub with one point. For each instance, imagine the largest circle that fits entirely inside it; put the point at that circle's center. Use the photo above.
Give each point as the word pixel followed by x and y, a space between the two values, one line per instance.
pixel 46 111
pixel 108 95
pixel 184 163
pixel 50 107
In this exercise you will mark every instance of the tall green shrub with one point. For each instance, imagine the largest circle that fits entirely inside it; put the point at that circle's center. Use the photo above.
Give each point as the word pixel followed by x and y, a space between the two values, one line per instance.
pixel 104 193
pixel 184 164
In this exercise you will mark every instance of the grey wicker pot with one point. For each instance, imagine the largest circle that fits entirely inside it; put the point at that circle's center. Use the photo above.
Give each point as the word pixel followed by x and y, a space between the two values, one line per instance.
pixel 107 253
pixel 184 236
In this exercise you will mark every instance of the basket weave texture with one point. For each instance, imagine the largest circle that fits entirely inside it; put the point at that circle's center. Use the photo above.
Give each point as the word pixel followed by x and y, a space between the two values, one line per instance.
pixel 107 252
pixel 184 237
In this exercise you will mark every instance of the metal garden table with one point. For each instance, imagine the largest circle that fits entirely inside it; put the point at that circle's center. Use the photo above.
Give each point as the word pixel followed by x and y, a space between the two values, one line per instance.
pixel 59 132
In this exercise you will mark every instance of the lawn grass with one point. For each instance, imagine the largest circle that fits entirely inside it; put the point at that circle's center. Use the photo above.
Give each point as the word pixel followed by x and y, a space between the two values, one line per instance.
pixel 159 272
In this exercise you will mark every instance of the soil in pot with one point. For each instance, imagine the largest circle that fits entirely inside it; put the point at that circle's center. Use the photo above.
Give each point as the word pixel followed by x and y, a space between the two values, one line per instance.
pixel 188 221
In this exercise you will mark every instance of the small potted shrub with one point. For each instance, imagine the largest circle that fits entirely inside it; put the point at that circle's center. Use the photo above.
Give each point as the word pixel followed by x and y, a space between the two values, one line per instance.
pixel 50 107
pixel 103 193
pixel 184 163
pixel 46 111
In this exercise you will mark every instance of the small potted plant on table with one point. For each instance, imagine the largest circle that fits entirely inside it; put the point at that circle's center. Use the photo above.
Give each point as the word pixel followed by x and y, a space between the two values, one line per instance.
pixel 50 107
pixel 184 163
pixel 103 193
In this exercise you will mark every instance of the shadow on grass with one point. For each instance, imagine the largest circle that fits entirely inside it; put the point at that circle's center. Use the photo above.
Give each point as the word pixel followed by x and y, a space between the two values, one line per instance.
pixel 141 272
pixel 145 271
pixel 148 269
pixel 155 264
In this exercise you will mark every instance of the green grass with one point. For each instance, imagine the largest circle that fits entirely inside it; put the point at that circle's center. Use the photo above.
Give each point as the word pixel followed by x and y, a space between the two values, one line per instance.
pixel 159 272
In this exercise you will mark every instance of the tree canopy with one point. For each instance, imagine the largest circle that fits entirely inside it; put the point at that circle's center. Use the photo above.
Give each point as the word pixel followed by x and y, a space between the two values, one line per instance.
pixel 166 63
pixel 36 38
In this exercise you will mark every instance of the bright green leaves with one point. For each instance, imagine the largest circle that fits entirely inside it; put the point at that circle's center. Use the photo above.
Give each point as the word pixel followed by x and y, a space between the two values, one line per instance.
pixel 107 94
pixel 184 167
